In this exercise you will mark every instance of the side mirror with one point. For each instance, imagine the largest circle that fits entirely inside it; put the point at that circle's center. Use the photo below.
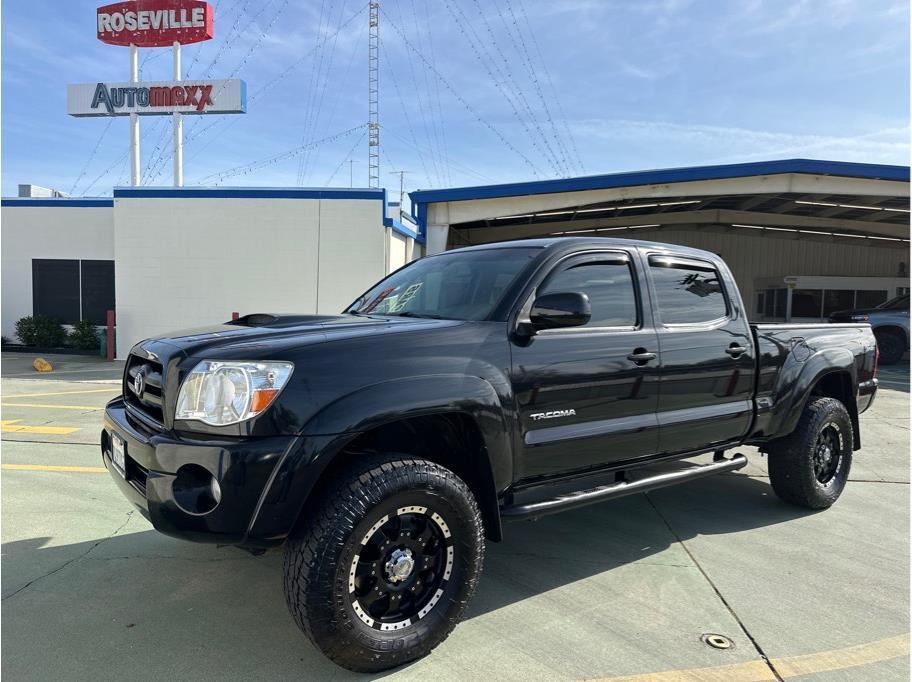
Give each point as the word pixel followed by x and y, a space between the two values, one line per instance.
pixel 562 309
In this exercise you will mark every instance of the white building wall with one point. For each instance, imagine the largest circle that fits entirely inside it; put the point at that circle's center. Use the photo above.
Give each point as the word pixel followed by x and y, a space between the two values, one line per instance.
pixel 30 231
pixel 188 261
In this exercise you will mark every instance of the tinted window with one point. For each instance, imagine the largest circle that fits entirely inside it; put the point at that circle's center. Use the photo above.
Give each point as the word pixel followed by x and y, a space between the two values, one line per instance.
pixel 898 303
pixel 55 289
pixel 838 299
pixel 97 290
pixel 609 287
pixel 806 302
pixel 686 293
pixel 464 285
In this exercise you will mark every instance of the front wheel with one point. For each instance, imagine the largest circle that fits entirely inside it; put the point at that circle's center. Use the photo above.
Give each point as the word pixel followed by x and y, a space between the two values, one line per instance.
pixel 383 569
pixel 810 466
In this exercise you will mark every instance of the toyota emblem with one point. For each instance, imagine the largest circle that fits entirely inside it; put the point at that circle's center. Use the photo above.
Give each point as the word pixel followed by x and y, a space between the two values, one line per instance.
pixel 139 384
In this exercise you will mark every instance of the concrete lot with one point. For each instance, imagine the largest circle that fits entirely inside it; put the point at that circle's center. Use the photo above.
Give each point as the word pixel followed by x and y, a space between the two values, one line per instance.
pixel 618 590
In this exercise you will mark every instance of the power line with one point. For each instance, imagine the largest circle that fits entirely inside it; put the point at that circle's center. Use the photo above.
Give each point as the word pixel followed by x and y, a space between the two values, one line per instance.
pixel 256 165
pixel 477 45
pixel 262 90
pixel 512 83
pixel 557 99
pixel 455 93
pixel 348 157
pixel 526 60
pixel 92 154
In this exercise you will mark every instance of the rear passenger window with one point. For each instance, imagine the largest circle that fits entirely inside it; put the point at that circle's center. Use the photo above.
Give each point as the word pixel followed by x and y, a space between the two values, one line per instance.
pixel 687 292
pixel 609 287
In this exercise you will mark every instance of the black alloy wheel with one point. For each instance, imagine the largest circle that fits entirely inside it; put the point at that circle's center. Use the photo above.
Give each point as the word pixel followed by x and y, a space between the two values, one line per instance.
pixel 401 570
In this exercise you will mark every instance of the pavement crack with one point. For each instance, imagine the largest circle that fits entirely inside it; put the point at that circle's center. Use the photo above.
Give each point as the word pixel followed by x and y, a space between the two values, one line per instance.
pixel 731 610
pixel 73 560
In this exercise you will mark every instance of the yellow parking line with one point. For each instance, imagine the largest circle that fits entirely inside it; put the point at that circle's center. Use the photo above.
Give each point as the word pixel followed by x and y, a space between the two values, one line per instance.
pixel 54 407
pixel 115 389
pixel 50 467
pixel 787 667
pixel 13 426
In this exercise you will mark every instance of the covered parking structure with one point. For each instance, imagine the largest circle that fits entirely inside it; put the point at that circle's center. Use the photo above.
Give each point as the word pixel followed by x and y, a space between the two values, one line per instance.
pixel 834 234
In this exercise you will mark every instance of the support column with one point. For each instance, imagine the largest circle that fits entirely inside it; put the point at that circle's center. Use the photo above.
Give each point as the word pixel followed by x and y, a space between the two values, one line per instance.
pixel 178 126
pixel 436 239
pixel 134 121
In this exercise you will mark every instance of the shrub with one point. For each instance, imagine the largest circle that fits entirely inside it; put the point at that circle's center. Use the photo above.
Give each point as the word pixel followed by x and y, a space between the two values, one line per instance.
pixel 5 341
pixel 84 336
pixel 40 331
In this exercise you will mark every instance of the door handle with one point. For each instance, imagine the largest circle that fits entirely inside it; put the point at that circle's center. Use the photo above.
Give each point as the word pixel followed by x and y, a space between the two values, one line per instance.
pixel 640 357
pixel 735 350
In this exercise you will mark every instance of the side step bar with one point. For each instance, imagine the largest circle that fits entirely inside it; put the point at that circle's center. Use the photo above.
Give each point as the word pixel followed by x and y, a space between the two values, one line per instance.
pixel 609 492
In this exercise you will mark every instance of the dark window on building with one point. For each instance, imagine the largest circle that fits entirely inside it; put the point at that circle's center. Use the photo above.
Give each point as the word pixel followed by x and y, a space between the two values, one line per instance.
pixel 60 291
pixel 55 289
pixel 781 302
pixel 609 287
pixel 97 290
pixel 687 293
pixel 838 299
pixel 806 302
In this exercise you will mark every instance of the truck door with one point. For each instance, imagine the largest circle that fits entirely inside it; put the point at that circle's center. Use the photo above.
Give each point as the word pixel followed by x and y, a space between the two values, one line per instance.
pixel 707 357
pixel 587 396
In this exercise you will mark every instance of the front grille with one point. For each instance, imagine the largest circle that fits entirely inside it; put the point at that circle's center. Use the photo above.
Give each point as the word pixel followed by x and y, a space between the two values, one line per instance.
pixel 146 395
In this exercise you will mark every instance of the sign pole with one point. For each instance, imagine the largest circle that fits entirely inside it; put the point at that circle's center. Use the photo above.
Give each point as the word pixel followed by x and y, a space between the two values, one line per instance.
pixel 134 120
pixel 178 126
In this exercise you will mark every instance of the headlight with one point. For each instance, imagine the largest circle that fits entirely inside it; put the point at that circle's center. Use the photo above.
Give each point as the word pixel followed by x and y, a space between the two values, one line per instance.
pixel 859 318
pixel 225 392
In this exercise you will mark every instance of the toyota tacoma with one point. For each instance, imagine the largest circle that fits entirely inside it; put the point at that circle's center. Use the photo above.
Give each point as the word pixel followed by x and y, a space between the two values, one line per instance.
pixel 384 445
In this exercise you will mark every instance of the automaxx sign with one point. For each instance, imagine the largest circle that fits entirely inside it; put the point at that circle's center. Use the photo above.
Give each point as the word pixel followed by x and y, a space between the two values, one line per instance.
pixel 220 96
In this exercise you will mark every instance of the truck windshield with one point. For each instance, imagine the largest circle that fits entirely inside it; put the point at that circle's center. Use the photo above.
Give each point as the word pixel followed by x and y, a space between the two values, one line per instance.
pixel 898 303
pixel 452 286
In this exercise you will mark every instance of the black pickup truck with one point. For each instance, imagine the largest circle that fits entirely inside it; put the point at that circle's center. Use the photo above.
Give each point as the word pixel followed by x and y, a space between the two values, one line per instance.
pixel 383 445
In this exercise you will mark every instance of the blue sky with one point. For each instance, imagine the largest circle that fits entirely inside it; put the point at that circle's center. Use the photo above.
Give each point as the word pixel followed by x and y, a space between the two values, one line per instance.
pixel 472 91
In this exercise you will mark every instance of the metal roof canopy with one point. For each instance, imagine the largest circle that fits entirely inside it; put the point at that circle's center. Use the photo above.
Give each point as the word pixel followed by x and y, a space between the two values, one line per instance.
pixel 797 198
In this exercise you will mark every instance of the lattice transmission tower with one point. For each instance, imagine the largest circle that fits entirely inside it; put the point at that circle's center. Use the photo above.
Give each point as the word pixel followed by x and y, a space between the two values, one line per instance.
pixel 373 91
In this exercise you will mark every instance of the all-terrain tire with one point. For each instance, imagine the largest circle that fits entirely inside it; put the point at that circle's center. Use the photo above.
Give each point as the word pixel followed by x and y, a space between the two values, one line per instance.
pixel 346 524
pixel 891 345
pixel 824 427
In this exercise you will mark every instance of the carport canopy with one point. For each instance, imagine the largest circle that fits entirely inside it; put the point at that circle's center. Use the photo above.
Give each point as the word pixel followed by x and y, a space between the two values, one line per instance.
pixel 794 198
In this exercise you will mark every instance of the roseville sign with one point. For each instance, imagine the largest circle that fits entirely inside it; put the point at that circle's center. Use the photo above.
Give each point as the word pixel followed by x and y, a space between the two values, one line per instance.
pixel 158 97
pixel 155 23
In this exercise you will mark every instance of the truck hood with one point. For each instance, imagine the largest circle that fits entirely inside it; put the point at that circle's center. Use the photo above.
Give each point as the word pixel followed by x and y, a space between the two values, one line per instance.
pixel 262 333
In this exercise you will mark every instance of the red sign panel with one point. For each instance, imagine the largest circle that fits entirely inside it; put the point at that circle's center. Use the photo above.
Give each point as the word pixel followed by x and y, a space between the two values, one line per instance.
pixel 155 23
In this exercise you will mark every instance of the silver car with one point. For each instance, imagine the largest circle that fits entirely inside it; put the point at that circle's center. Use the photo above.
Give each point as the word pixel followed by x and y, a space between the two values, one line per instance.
pixel 890 322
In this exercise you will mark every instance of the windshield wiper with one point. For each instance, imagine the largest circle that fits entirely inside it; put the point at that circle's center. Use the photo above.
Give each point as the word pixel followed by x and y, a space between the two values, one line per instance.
pixel 409 313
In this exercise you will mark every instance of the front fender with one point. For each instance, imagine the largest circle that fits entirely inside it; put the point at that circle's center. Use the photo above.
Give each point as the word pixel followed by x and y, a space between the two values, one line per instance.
pixel 340 422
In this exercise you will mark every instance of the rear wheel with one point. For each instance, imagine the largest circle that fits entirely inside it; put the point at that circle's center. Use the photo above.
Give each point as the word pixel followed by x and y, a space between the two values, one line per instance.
pixel 383 569
pixel 810 466
pixel 892 347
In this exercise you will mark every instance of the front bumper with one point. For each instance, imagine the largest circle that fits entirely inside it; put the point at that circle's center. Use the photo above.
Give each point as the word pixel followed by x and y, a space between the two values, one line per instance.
pixel 159 465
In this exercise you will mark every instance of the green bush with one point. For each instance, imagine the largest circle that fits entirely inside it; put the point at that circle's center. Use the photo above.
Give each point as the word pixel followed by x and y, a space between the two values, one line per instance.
pixel 40 331
pixel 85 336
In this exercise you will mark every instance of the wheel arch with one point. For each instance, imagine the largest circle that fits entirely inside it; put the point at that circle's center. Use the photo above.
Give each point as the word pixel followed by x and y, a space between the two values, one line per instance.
pixel 831 373
pixel 455 421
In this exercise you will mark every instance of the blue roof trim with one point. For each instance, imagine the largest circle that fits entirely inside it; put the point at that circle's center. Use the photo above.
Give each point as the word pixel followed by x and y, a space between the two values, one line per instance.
pixel 56 202
pixel 652 177
pixel 245 193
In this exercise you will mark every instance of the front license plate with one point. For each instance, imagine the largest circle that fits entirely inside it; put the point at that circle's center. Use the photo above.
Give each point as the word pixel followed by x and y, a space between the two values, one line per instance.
pixel 118 454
